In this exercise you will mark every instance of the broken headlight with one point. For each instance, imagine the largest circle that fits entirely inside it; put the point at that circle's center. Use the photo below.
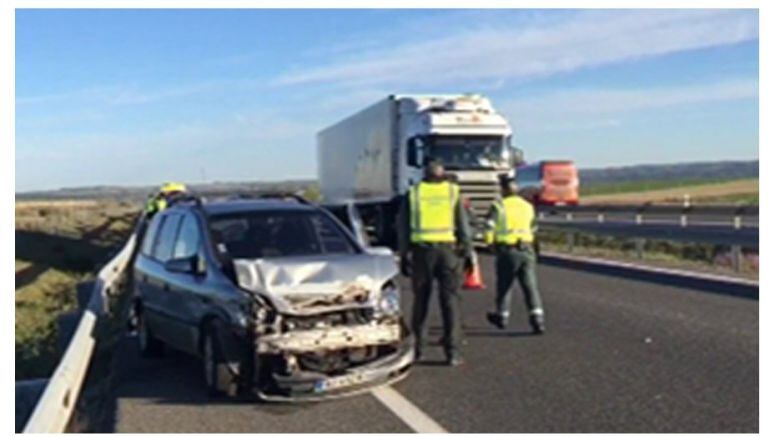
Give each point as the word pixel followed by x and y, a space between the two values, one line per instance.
pixel 390 300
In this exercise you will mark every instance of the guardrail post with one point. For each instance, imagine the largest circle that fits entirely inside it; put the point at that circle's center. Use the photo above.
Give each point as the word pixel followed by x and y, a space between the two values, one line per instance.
pixel 639 219
pixel 737 222
pixel 600 218
pixel 639 244
pixel 571 241
pixel 737 256
pixel 685 209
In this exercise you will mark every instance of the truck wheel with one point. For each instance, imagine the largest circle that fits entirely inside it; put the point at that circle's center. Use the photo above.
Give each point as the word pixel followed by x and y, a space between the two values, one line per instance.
pixel 216 375
pixel 149 345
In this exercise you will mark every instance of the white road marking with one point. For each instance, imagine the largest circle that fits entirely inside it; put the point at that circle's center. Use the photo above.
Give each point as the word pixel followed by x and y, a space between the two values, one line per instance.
pixel 655 269
pixel 407 411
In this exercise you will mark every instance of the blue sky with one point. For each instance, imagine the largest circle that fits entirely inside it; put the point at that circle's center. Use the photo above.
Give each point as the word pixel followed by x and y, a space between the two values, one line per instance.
pixel 135 97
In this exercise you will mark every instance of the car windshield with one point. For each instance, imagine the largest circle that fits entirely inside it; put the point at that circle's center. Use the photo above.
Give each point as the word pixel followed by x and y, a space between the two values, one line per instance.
pixel 463 152
pixel 259 234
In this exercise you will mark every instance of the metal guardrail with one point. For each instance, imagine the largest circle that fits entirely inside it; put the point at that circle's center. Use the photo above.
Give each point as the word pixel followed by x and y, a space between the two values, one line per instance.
pixel 709 224
pixel 655 208
pixel 54 409
pixel 708 234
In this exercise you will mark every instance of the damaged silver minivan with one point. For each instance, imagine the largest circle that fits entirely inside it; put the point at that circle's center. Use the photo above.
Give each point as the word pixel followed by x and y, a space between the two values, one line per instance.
pixel 276 296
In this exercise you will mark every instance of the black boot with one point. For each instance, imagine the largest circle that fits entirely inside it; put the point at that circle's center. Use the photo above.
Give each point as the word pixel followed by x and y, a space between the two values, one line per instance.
pixel 537 323
pixel 453 358
pixel 497 320
pixel 417 353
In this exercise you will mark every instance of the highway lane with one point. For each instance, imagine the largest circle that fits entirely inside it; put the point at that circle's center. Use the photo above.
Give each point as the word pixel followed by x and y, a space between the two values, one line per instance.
pixel 621 354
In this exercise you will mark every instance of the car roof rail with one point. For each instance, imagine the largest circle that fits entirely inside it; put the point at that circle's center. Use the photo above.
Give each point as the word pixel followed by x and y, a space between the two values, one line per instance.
pixel 186 199
pixel 286 196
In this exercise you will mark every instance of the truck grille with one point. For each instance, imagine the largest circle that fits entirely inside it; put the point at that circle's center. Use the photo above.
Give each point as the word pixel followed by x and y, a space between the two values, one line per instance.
pixel 481 195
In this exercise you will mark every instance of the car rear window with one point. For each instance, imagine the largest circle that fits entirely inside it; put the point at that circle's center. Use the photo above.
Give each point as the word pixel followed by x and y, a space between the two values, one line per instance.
pixel 261 234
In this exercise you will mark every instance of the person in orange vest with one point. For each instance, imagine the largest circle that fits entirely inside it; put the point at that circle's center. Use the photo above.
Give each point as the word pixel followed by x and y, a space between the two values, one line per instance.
pixel 433 227
pixel 511 227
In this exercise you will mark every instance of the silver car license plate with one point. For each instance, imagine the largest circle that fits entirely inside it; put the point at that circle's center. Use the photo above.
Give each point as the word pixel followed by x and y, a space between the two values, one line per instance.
pixel 340 382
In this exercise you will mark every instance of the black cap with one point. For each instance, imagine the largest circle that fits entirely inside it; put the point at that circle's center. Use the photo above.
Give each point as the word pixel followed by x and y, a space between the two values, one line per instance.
pixel 506 178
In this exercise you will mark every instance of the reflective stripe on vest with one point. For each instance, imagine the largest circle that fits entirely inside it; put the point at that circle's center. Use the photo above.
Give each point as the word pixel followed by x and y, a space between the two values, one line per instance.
pixel 432 211
pixel 514 221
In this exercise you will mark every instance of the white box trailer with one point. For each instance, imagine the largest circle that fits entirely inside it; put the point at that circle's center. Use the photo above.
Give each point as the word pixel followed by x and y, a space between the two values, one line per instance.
pixel 355 155
pixel 372 157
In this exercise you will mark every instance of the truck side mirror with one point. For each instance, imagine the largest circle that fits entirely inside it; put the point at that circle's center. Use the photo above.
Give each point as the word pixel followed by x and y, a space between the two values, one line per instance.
pixel 412 153
pixel 517 157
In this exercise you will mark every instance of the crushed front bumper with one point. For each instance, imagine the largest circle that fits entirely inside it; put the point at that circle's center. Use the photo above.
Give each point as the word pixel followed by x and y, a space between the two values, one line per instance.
pixel 314 386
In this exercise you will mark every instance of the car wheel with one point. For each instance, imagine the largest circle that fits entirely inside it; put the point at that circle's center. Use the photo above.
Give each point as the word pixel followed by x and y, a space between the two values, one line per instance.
pixel 216 376
pixel 149 345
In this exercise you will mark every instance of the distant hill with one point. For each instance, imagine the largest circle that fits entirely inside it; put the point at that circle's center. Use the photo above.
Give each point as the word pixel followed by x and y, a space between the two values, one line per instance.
pixel 139 193
pixel 705 171
pixel 589 177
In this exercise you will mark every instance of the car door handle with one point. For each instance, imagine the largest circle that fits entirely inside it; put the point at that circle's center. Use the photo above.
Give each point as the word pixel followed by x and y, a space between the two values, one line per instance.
pixel 166 287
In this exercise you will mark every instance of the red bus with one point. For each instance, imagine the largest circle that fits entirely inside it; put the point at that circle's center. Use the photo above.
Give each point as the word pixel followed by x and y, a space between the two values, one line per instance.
pixel 552 182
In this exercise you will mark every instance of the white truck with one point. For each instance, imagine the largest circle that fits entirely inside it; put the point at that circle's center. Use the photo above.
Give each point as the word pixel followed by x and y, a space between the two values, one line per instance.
pixel 372 157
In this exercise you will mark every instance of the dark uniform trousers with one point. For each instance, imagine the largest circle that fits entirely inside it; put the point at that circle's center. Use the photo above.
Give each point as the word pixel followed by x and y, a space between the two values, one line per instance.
pixel 439 261
pixel 516 263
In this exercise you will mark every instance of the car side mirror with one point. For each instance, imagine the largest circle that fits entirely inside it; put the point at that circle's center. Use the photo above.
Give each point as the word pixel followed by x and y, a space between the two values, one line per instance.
pixel 185 265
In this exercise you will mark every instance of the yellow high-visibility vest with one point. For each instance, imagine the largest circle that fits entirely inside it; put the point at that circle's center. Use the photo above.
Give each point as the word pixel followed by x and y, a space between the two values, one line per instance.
pixel 514 222
pixel 156 204
pixel 432 211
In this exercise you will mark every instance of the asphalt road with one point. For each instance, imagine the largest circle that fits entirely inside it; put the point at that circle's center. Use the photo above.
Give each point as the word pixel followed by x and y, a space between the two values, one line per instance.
pixel 623 353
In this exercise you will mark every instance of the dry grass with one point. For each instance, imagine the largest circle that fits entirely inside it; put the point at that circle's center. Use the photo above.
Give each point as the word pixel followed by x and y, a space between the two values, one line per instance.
pixel 719 265
pixel 54 204
pixel 37 306
pixel 740 190
pixel 58 244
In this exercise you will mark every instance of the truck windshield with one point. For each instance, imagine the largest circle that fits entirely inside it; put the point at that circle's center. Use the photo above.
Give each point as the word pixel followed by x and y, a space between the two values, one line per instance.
pixel 278 233
pixel 462 152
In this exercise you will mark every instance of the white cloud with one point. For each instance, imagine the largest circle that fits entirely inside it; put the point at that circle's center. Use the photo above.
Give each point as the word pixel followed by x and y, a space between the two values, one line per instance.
pixel 582 40
pixel 592 108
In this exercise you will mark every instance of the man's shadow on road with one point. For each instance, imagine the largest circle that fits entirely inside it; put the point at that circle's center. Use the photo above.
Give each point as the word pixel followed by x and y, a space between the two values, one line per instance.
pixel 489 332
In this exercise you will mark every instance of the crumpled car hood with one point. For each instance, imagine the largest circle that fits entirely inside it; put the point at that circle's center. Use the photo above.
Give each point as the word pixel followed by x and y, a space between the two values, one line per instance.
pixel 305 285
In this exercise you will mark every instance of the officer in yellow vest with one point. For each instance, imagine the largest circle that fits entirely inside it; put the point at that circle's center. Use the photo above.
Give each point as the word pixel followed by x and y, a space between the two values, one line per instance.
pixel 159 201
pixel 434 240
pixel 511 227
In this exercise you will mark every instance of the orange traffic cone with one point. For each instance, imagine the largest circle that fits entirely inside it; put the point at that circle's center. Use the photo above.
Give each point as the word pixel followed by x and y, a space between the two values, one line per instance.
pixel 473 281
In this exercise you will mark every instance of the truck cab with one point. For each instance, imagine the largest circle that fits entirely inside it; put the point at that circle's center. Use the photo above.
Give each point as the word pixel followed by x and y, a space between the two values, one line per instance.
pixel 371 158
pixel 465 132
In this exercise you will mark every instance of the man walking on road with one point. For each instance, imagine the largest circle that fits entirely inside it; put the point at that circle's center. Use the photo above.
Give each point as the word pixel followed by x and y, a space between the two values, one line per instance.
pixel 511 230
pixel 433 226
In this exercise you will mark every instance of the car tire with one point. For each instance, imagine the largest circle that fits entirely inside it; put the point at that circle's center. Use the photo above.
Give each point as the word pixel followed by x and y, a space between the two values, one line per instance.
pixel 216 376
pixel 149 345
